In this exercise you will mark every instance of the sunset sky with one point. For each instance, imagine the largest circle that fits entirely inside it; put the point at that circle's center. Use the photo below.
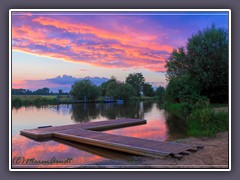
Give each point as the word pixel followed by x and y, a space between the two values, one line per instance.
pixel 46 45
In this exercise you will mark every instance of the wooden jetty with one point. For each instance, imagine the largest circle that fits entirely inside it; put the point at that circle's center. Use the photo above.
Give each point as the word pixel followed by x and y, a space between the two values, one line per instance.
pixel 48 132
pixel 86 133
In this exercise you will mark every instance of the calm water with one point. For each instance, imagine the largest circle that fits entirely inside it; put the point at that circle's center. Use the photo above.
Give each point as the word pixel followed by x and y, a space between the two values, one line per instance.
pixel 158 127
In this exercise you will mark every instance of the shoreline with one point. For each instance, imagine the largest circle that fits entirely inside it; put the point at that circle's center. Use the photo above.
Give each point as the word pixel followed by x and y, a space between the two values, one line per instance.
pixel 213 155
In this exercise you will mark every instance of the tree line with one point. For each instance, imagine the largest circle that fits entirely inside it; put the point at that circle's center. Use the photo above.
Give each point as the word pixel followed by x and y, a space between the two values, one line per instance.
pixel 41 91
pixel 134 86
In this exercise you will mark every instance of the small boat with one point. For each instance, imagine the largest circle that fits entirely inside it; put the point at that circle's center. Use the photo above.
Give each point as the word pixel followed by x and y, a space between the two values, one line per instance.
pixel 108 101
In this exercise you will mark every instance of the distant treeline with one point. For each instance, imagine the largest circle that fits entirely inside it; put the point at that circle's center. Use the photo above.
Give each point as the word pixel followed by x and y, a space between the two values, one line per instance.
pixel 133 88
pixel 42 91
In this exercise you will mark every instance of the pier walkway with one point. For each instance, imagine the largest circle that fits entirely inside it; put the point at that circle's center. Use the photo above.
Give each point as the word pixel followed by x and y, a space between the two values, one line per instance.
pixel 87 133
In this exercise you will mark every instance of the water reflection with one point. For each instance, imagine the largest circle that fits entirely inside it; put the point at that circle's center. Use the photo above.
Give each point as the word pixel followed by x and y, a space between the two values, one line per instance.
pixel 88 112
pixel 45 151
pixel 160 126
pixel 84 112
pixel 176 127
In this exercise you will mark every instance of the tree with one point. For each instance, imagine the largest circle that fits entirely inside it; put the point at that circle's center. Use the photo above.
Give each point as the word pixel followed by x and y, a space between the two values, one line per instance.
pixel 119 90
pixel 137 81
pixel 182 89
pixel 126 91
pixel 43 91
pixel 104 85
pixel 113 89
pixel 148 90
pixel 208 54
pixel 60 91
pixel 84 89
pixel 19 91
pixel 205 62
pixel 177 64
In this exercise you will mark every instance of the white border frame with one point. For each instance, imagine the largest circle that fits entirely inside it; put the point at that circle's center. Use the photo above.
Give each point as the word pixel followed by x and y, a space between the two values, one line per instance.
pixel 112 10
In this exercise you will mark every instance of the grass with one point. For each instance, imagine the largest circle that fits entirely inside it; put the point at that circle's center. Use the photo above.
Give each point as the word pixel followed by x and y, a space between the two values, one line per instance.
pixel 33 97
pixel 200 120
pixel 65 98
pixel 206 122
pixel 38 100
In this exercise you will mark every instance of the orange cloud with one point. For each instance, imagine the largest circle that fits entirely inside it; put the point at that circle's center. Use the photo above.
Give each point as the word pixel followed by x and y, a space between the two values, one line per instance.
pixel 129 37
pixel 122 48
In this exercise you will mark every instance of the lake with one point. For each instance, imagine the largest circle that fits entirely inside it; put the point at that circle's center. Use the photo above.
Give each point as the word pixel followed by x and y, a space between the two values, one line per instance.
pixel 160 126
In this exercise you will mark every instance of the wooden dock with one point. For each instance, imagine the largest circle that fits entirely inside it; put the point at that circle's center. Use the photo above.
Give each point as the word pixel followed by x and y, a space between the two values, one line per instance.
pixel 86 133
pixel 41 133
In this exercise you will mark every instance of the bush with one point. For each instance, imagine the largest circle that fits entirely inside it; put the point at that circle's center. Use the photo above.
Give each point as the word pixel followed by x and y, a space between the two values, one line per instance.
pixel 206 122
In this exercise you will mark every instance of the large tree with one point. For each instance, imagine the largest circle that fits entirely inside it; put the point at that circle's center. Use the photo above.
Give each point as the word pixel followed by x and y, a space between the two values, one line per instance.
pixel 84 89
pixel 113 89
pixel 205 62
pixel 126 91
pixel 208 54
pixel 137 81
pixel 104 85
pixel 119 90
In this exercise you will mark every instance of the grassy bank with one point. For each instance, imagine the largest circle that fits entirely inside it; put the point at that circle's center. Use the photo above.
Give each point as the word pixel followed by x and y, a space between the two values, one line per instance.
pixel 207 122
pixel 200 120
pixel 37 100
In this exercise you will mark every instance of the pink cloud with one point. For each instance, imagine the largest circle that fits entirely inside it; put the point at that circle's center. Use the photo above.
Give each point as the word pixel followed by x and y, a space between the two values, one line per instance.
pixel 124 47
